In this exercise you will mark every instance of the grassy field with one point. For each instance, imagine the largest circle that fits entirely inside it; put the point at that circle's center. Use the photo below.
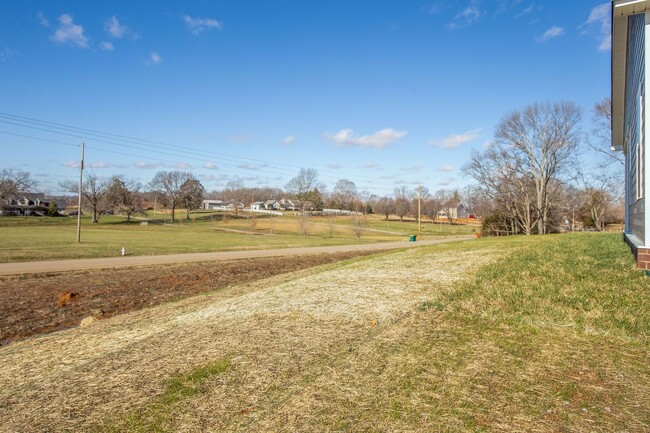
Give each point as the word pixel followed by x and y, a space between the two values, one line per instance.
pixel 541 334
pixel 42 238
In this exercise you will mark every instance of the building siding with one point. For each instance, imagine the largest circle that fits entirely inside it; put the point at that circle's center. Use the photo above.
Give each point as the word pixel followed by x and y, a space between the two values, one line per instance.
pixel 635 79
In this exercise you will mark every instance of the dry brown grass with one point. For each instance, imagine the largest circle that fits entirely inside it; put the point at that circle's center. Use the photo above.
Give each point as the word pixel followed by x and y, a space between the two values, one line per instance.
pixel 280 334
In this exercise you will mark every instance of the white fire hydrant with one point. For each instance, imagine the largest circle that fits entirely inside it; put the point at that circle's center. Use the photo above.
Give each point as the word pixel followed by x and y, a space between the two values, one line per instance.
pixel 123 251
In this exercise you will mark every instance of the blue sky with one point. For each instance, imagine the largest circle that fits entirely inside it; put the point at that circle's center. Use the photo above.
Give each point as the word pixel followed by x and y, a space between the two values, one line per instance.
pixel 384 93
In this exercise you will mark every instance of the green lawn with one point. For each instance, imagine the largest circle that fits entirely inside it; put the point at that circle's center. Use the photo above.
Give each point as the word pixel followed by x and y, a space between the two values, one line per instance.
pixel 42 238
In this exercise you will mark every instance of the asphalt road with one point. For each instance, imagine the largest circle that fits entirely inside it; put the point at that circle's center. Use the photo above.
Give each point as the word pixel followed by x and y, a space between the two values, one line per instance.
pixel 127 261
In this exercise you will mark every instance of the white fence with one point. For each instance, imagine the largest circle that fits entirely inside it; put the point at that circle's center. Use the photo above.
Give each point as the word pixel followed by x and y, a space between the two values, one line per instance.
pixel 265 211
pixel 340 212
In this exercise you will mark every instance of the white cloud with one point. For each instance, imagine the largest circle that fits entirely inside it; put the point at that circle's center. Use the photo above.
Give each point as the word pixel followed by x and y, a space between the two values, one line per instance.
pixel 146 165
pixel 43 21
pixel 551 33
pixel 372 166
pixel 529 10
pixel 69 32
pixel 456 140
pixel 97 165
pixel 252 167
pixel 71 164
pixel 288 140
pixel 106 46
pixel 183 166
pixel 118 30
pixel 154 58
pixel 207 177
pixel 210 165
pixel 199 25
pixel 334 166
pixel 382 138
pixel 413 168
pixel 446 168
pixel 601 16
pixel 465 17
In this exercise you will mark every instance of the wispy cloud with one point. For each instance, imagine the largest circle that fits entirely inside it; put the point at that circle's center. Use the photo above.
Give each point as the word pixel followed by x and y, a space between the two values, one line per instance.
pixel 455 140
pixel 207 177
pixel 106 46
pixel 465 17
pixel 446 181
pixel 240 138
pixel 551 33
pixel 600 17
pixel 288 140
pixel 372 166
pixel 69 33
pixel 252 167
pixel 119 30
pixel 154 59
pixel 412 168
pixel 6 54
pixel 146 165
pixel 527 11
pixel 381 138
pixel 210 165
pixel 183 166
pixel 334 166
pixel 199 25
pixel 42 20
pixel 446 168
pixel 75 164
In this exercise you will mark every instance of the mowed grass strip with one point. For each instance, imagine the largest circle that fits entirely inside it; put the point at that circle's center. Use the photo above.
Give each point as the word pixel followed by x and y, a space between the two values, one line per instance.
pixel 551 338
pixel 43 238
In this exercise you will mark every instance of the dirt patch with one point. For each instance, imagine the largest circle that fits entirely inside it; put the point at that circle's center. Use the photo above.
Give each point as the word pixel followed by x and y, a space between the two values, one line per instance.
pixel 38 304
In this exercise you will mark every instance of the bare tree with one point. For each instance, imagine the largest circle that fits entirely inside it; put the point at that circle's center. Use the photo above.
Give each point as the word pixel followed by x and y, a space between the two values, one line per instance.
pixel 304 183
pixel 359 225
pixel 170 185
pixel 535 152
pixel 125 196
pixel 602 130
pixel 344 195
pixel 235 192
pixel 304 223
pixel 94 193
pixel 385 206
pixel 402 201
pixel 12 182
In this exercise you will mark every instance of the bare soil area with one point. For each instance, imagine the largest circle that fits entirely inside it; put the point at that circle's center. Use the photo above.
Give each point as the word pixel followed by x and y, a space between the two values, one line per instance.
pixel 38 304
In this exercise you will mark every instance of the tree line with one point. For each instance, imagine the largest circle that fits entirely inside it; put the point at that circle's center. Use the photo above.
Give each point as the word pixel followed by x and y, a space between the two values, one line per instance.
pixel 528 181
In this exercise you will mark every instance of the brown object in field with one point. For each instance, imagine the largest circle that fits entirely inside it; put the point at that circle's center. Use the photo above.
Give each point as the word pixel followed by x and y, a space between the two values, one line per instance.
pixel 65 298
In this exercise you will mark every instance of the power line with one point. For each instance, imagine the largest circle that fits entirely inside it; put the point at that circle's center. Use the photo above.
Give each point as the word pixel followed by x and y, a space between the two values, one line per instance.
pixel 136 143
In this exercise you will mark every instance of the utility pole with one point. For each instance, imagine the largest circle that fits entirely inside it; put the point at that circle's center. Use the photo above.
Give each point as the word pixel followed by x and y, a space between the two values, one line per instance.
pixel 81 174
pixel 419 216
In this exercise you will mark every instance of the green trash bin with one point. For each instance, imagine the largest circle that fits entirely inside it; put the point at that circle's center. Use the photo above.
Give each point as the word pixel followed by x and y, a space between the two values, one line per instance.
pixel 412 238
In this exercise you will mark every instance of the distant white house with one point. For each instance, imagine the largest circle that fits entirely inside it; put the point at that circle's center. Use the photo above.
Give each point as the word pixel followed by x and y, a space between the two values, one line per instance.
pixel 211 204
